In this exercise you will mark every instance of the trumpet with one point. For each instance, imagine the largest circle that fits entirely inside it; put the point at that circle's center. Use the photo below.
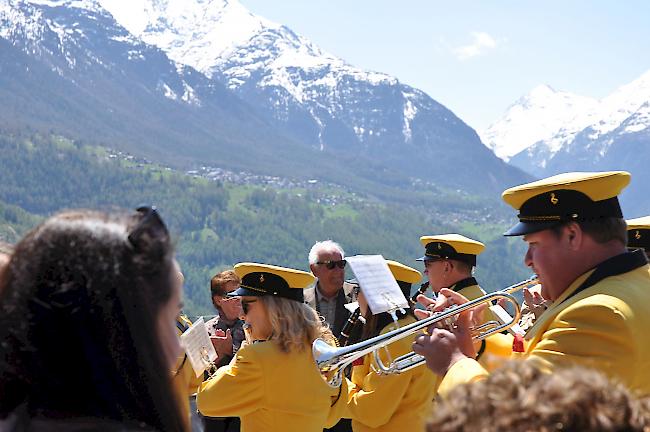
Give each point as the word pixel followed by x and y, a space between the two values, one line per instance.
pixel 332 361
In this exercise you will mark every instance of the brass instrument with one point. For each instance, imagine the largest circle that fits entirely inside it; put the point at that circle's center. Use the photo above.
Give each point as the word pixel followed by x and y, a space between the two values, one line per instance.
pixel 332 361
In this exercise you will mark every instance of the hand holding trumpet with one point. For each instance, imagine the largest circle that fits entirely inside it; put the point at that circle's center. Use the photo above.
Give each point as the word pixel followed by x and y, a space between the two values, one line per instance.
pixel 443 347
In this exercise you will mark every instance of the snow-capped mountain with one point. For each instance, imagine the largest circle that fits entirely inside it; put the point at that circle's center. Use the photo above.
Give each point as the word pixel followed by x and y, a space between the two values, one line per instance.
pixel 68 67
pixel 314 96
pixel 205 82
pixel 592 131
pixel 538 116
pixel 610 133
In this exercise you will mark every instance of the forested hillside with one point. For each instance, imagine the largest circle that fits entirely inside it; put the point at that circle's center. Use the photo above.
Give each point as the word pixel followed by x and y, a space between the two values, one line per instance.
pixel 217 225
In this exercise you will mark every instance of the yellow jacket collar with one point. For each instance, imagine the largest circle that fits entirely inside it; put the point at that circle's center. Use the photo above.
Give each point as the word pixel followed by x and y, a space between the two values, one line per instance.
pixel 550 312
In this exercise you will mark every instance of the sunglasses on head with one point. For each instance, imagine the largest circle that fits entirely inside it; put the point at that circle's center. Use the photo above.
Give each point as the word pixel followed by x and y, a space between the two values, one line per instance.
pixel 150 225
pixel 331 264
pixel 244 305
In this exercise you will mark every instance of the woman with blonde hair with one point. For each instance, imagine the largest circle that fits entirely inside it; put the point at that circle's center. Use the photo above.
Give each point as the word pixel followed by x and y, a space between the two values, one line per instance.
pixel 273 384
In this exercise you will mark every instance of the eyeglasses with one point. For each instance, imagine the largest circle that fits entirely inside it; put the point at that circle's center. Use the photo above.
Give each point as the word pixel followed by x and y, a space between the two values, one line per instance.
pixel 244 305
pixel 150 224
pixel 429 262
pixel 225 297
pixel 331 264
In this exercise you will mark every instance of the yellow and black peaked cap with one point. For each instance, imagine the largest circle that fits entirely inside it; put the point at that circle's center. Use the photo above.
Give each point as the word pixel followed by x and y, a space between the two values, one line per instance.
pixel 451 246
pixel 575 196
pixel 265 279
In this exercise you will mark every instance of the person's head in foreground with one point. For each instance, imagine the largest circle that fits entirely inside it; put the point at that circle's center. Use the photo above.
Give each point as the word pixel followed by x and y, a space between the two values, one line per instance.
pixel 87 320
pixel 520 398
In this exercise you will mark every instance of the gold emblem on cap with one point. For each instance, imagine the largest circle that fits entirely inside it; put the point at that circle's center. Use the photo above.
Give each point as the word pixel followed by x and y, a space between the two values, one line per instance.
pixel 554 200
pixel 637 235
pixel 439 246
pixel 261 278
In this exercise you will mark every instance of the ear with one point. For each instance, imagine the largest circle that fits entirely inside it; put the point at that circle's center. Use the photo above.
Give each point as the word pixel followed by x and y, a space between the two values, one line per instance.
pixel 574 235
pixel 312 267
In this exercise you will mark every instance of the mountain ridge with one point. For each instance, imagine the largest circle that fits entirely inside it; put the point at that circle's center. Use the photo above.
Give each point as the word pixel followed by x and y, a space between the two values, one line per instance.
pixel 611 133
pixel 314 96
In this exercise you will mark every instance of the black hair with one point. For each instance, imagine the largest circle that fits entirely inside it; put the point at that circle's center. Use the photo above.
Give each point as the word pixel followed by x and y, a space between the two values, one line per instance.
pixel 79 303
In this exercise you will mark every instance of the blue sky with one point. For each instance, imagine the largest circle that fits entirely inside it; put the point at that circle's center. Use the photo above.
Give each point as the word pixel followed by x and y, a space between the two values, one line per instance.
pixel 478 57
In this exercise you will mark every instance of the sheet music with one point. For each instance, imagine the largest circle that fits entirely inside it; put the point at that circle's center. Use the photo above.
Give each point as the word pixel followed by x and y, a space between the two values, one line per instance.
pixel 377 283
pixel 198 347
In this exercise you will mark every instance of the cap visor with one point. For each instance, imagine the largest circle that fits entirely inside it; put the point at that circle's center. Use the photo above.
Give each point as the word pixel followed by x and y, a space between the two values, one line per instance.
pixel 523 228
pixel 241 292
pixel 426 258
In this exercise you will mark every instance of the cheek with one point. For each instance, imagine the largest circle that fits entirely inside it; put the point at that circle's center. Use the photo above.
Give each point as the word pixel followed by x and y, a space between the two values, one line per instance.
pixel 169 339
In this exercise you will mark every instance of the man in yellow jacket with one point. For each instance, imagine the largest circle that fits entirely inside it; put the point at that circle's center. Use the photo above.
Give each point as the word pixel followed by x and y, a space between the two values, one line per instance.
pixel 600 293
pixel 449 261
pixel 638 234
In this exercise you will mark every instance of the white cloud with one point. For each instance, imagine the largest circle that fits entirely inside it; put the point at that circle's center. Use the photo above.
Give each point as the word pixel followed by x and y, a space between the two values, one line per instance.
pixel 481 43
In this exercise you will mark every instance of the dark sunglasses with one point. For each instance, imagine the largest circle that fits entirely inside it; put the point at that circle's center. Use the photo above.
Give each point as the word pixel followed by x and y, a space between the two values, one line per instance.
pixel 150 224
pixel 430 261
pixel 244 305
pixel 331 264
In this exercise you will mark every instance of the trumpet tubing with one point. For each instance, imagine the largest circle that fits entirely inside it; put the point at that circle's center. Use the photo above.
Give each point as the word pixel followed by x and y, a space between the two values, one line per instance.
pixel 412 360
pixel 332 361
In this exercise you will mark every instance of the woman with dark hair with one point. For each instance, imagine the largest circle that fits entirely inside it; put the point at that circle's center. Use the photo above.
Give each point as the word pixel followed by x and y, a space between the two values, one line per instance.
pixel 273 383
pixel 88 305
pixel 398 402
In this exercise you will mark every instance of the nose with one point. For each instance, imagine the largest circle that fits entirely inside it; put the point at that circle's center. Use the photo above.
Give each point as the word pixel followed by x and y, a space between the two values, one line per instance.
pixel 528 259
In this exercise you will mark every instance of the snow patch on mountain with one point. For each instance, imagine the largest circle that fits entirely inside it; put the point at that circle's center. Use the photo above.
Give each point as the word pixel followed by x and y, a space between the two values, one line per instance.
pixel 639 121
pixel 221 37
pixel 15 21
pixel 89 5
pixel 617 107
pixel 410 110
pixel 538 116
pixel 196 33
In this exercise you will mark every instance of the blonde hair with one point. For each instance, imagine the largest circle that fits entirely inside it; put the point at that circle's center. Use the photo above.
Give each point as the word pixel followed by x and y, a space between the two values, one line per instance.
pixel 295 325
pixel 521 398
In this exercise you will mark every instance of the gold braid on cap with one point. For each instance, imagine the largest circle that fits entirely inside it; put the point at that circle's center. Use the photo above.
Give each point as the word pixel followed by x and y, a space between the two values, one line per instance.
pixel 254 288
pixel 539 218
